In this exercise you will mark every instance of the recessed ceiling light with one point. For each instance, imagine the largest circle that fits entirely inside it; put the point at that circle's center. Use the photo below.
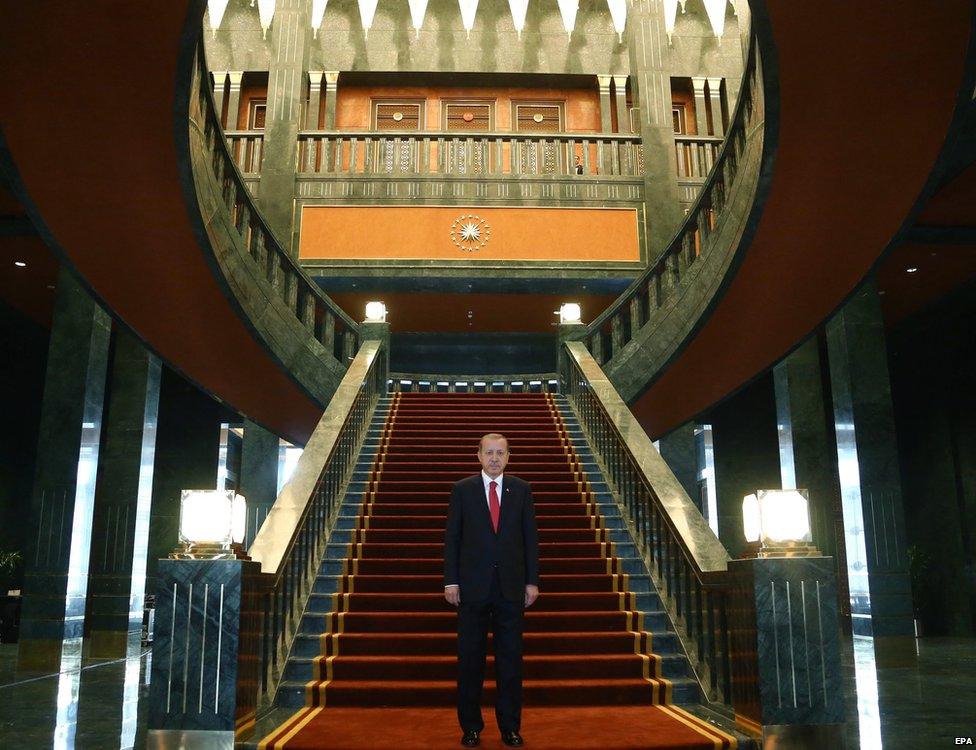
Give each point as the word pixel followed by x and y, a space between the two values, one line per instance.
pixel 20 264
pixel 911 269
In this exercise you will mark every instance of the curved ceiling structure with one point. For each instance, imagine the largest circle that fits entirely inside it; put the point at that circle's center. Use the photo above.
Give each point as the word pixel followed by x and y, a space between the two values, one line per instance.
pixel 88 121
pixel 867 93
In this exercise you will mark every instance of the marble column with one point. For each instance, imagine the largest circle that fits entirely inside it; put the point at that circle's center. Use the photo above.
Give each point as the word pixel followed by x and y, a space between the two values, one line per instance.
pixel 314 99
pixel 233 99
pixel 620 98
pixel 187 444
pixel 606 103
pixel 123 495
pixel 715 102
pixel 259 475
pixel 867 454
pixel 701 113
pixel 650 83
pixel 746 455
pixel 286 98
pixel 219 84
pixel 808 455
pixel 63 498
pixel 331 86
pixel 679 451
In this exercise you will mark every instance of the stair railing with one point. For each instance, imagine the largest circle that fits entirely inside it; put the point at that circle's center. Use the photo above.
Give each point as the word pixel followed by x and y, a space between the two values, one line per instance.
pixel 684 557
pixel 292 541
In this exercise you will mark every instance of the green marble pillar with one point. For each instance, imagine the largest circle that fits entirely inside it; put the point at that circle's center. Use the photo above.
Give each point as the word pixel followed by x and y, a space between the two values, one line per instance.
pixel 808 452
pixel 63 497
pixel 187 444
pixel 123 494
pixel 287 86
pixel 650 62
pixel 259 475
pixel 679 451
pixel 746 455
pixel 867 452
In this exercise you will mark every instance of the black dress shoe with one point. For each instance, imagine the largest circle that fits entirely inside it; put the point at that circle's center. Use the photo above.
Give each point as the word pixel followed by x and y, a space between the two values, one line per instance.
pixel 471 738
pixel 512 739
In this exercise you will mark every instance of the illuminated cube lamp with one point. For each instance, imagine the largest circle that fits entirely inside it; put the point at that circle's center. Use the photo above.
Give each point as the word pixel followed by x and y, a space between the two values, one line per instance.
pixel 777 524
pixel 570 312
pixel 212 525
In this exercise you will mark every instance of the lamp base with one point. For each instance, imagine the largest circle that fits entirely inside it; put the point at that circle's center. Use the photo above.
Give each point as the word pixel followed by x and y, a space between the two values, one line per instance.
pixel 760 550
pixel 206 551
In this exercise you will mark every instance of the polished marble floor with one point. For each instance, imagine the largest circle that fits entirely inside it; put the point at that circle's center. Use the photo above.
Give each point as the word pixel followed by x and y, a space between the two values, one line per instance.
pixel 101 706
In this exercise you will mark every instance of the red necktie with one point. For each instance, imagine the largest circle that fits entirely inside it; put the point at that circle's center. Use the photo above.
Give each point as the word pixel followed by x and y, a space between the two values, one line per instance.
pixel 493 506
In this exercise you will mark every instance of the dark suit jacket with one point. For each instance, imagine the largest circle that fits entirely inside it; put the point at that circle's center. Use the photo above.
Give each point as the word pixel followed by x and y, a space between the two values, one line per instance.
pixel 472 549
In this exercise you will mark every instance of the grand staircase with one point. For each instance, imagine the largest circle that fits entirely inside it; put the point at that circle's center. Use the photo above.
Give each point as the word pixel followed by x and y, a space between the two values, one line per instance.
pixel 377 631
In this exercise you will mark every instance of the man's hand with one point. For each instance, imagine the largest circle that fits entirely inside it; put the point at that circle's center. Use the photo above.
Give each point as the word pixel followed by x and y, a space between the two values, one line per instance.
pixel 453 595
pixel 531 594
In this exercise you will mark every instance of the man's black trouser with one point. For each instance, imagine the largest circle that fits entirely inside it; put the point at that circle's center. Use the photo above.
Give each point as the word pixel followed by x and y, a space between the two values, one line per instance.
pixel 504 618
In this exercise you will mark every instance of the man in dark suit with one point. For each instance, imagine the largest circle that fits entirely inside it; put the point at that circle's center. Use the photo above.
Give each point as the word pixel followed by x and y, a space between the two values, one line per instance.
pixel 491 573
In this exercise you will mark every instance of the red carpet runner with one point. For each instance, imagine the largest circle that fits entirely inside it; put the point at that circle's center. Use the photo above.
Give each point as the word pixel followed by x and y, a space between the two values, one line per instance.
pixel 385 676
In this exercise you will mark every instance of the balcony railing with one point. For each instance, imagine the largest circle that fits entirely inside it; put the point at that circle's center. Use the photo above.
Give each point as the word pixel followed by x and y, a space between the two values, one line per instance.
pixel 695 155
pixel 249 255
pixel 712 233
pixel 247 148
pixel 469 154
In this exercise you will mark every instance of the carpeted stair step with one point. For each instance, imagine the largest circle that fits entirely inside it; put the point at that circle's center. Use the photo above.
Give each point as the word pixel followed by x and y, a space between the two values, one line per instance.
pixel 435 602
pixel 418 584
pixel 443 666
pixel 597 692
pixel 415 644
pixel 435 566
pixel 446 622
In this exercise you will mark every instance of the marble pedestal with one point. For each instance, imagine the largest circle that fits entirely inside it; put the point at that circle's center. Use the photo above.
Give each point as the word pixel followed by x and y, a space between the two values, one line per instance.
pixel 203 685
pixel 786 665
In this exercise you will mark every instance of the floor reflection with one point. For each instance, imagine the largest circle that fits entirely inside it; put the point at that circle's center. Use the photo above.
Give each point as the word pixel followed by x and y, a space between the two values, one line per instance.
pixel 96 706
pixel 102 706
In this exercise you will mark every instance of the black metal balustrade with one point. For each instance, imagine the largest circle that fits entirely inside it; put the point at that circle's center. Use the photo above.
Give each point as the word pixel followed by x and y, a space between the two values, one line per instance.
pixel 683 556
pixel 425 383
pixel 323 319
pixel 470 154
pixel 656 287
pixel 292 542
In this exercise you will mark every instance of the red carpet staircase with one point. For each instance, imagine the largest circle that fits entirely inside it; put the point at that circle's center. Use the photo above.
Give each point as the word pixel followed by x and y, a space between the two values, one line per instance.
pixel 374 664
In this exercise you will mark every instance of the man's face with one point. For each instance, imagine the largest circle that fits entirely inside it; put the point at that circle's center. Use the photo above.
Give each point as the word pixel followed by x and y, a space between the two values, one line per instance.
pixel 493 455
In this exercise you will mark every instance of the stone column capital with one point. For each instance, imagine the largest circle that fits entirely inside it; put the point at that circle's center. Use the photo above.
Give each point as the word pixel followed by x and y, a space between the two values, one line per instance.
pixel 619 81
pixel 604 81
pixel 315 78
pixel 235 77
pixel 714 84
pixel 698 83
pixel 331 79
pixel 219 77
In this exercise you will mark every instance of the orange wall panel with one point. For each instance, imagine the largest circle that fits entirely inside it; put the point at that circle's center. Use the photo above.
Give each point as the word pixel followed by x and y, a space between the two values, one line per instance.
pixel 601 235
pixel 582 106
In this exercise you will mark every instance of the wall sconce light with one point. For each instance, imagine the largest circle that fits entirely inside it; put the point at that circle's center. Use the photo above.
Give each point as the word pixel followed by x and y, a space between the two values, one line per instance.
pixel 375 312
pixel 777 524
pixel 212 525
pixel 570 312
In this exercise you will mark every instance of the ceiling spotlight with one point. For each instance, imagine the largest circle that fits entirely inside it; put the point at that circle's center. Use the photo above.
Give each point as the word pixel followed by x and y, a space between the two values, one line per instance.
pixel 20 264
pixel 911 269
